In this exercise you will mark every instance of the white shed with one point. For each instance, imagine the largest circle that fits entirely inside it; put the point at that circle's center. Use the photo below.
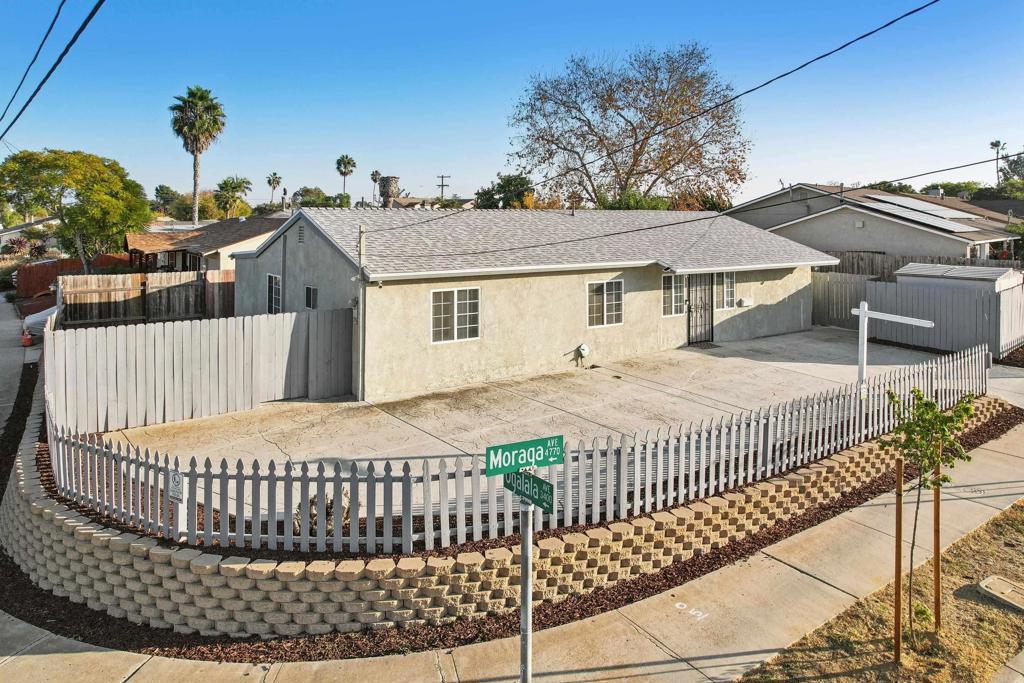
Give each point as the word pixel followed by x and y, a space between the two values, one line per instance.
pixel 975 278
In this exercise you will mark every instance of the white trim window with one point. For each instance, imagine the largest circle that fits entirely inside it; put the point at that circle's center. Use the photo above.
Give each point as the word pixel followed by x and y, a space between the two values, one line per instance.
pixel 604 303
pixel 673 295
pixel 725 291
pixel 454 314
pixel 273 293
pixel 312 294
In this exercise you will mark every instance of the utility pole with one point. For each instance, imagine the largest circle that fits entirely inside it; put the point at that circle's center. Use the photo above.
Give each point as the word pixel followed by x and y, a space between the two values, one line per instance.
pixel 443 184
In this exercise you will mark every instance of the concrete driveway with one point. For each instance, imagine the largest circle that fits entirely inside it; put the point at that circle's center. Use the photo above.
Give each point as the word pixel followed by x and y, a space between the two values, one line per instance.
pixel 652 392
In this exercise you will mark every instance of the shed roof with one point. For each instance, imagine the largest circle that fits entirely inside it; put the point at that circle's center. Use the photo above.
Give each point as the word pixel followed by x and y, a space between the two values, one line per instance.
pixel 949 271
pixel 400 243
pixel 207 239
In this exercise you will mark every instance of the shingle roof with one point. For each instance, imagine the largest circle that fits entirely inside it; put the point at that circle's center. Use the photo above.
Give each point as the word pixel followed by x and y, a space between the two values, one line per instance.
pixel 469 241
pixel 206 239
pixel 231 231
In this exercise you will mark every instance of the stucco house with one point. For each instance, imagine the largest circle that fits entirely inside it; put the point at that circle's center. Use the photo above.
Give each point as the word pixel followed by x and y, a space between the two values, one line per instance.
pixel 448 298
pixel 831 218
pixel 207 248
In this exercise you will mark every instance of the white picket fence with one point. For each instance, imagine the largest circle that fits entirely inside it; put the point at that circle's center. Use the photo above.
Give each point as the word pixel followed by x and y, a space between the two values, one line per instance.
pixel 451 500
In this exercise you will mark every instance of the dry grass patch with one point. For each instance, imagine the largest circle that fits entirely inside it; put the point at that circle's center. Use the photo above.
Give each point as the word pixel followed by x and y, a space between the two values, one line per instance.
pixel 978 636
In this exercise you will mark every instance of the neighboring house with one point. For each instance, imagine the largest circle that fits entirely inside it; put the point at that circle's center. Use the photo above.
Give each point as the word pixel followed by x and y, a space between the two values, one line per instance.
pixel 862 219
pixel 1011 207
pixel 7 234
pixel 455 297
pixel 207 248
pixel 424 203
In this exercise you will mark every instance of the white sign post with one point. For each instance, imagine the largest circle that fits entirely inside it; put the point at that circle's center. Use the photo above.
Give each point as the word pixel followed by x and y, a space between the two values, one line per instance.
pixel 862 341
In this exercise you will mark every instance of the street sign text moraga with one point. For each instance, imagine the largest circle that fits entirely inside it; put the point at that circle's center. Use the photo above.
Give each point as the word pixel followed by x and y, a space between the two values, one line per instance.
pixel 513 457
pixel 533 489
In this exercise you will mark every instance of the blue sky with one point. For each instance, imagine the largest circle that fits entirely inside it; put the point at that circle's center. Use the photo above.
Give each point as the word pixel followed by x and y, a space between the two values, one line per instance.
pixel 427 88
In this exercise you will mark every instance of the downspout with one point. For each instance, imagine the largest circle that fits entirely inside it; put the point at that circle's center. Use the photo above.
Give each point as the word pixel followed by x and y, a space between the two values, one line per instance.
pixel 360 379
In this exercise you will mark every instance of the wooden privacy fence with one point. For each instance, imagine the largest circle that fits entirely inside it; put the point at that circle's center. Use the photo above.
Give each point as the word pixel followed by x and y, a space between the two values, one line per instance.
pixel 962 317
pixel 106 378
pixel 36 278
pixel 372 507
pixel 834 295
pixel 884 265
pixel 145 297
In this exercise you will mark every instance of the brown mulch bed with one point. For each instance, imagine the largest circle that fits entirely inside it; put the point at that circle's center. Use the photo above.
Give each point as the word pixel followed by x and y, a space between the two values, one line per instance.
pixel 21 598
pixel 1016 359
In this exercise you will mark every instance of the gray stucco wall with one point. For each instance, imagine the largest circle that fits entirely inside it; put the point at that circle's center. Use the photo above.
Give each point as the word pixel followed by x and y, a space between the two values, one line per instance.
pixel 836 231
pixel 780 303
pixel 804 203
pixel 313 261
pixel 531 324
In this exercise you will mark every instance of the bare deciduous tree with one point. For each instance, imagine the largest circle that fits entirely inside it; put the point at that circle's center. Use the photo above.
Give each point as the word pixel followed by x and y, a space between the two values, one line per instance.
pixel 633 117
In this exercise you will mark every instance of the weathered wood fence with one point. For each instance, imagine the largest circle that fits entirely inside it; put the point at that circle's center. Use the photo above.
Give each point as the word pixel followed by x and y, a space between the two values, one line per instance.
pixel 884 265
pixel 834 295
pixel 106 378
pixel 440 502
pixel 145 297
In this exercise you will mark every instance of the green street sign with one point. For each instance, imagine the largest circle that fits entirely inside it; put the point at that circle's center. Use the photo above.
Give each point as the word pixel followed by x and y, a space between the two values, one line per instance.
pixel 512 457
pixel 534 489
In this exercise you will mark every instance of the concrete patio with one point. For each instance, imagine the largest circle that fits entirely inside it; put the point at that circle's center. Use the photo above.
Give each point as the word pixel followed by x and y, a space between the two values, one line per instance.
pixel 656 391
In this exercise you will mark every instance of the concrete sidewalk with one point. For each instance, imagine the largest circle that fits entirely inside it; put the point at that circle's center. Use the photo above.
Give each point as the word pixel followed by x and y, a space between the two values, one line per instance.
pixel 714 628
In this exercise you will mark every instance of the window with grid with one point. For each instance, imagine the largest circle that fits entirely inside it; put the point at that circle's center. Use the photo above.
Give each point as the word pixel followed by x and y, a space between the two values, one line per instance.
pixel 311 296
pixel 604 303
pixel 673 295
pixel 273 293
pixel 455 314
pixel 725 290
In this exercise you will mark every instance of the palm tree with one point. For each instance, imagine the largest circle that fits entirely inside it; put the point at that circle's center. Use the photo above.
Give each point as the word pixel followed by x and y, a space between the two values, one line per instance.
pixel 997 146
pixel 197 118
pixel 345 165
pixel 274 181
pixel 374 178
pixel 229 191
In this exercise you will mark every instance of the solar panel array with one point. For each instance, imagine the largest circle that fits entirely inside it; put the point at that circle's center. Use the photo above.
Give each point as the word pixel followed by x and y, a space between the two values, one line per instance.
pixel 921 217
pixel 921 205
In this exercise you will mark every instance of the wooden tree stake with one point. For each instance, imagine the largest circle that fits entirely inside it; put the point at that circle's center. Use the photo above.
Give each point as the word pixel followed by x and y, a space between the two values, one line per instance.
pixel 897 636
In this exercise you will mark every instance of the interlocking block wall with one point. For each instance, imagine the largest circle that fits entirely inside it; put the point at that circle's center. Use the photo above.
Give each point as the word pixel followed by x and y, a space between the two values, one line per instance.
pixel 147 582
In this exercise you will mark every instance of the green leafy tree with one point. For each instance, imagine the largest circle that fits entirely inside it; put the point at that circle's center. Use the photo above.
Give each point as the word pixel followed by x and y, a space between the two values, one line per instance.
pixel 887 186
pixel 274 181
pixel 181 208
pixel 164 196
pixel 1008 189
pixel 198 119
pixel 954 189
pixel 1013 167
pixel 316 197
pixel 92 198
pixel 509 192
pixel 346 166
pixel 229 193
pixel 630 200
pixel 925 436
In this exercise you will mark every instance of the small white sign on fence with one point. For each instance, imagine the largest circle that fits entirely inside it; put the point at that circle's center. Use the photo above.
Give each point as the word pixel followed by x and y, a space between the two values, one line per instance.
pixel 175 490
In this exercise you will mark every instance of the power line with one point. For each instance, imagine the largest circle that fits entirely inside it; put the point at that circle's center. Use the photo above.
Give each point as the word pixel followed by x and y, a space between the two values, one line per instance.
pixel 34 58
pixel 60 58
pixel 712 108
pixel 746 92
pixel 573 240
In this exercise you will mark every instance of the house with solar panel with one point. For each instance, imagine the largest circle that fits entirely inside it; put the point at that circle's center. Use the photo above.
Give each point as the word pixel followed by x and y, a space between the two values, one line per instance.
pixel 831 218
pixel 441 299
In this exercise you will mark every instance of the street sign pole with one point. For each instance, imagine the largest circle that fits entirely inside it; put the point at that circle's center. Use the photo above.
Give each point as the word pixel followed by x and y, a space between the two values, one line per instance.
pixel 526 593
